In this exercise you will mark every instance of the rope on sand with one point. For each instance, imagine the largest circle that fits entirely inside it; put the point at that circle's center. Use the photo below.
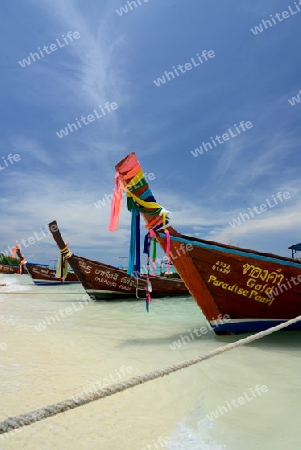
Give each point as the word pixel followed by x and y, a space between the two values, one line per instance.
pixel 13 423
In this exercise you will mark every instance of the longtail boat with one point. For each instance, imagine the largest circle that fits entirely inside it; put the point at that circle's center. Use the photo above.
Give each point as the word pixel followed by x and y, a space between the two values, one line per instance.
pixel 106 282
pixel 7 270
pixel 238 290
pixel 9 264
pixel 43 275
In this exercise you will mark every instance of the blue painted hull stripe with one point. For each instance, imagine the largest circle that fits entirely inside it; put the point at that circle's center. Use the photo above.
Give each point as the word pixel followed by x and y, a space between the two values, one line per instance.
pixel 252 326
pixel 233 251
pixel 54 283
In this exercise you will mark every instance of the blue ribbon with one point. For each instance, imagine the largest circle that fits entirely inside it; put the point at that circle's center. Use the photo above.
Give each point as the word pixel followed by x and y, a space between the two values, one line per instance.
pixel 137 268
pixel 134 245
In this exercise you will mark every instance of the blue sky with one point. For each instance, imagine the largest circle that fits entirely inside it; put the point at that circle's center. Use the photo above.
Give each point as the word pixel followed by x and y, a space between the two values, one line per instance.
pixel 116 59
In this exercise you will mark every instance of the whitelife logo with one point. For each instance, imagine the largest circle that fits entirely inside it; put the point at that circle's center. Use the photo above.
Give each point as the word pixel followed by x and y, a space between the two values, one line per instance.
pixel 11 158
pixel 159 443
pixel 124 9
pixel 29 241
pixel 205 146
pixel 221 410
pixel 106 200
pixel 53 48
pixel 280 17
pixel 3 346
pixel 103 383
pixel 188 66
pixel 90 118
pixel 198 332
pixel 259 209
pixel 280 287
pixel 295 100
pixel 63 313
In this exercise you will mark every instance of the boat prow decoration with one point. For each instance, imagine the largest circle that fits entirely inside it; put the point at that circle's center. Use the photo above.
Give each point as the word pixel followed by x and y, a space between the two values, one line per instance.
pixel 239 290
pixel 42 275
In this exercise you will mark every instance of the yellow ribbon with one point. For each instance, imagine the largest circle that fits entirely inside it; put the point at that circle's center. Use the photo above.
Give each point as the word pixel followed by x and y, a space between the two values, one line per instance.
pixel 61 269
pixel 66 252
pixel 137 178
pixel 150 205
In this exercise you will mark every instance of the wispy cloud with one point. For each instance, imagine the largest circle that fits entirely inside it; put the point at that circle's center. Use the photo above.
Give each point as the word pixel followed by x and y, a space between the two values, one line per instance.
pixel 32 148
pixel 94 75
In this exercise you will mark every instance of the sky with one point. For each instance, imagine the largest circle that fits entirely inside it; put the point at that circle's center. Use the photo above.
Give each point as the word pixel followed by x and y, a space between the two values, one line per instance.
pixel 225 72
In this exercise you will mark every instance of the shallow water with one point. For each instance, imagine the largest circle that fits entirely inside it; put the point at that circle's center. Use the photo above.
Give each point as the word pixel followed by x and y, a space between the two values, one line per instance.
pixel 105 342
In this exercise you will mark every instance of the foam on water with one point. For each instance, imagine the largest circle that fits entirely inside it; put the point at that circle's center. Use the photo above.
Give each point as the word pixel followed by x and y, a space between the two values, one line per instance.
pixel 201 437
pixel 15 288
pixel 16 279
pixel 15 283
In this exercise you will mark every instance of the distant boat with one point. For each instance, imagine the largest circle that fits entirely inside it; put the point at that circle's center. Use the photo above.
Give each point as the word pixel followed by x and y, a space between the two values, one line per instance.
pixel 105 282
pixel 238 290
pixel 42 275
pixel 45 276
pixel 9 264
pixel 7 270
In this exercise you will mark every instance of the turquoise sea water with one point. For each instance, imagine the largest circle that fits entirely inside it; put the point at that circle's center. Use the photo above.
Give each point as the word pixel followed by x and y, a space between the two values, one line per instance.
pixel 248 398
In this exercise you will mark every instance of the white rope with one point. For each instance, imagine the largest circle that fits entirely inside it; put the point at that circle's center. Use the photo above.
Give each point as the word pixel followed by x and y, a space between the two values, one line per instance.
pixel 52 410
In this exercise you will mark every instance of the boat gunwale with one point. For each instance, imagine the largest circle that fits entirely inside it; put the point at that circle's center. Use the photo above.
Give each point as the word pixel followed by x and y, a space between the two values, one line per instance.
pixel 124 273
pixel 238 250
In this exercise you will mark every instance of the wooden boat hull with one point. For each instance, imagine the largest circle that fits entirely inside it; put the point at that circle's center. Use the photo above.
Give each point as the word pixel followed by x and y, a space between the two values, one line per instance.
pixel 44 276
pixel 5 269
pixel 105 282
pixel 238 290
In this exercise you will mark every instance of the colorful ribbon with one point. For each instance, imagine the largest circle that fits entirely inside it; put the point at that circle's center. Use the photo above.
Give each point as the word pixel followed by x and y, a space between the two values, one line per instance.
pixel 116 203
pixel 62 264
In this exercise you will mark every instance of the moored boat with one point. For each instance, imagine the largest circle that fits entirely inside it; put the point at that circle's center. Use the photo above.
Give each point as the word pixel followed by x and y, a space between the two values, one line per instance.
pixel 8 264
pixel 238 290
pixel 106 282
pixel 45 276
pixel 6 269
pixel 42 275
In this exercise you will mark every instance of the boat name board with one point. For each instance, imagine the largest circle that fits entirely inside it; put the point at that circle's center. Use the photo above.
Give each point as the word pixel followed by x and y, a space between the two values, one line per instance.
pixel 129 281
pixel 107 274
pixel 256 272
pixel 6 268
pixel 222 267
pixel 105 281
pixel 236 289
pixel 109 278
pixel 45 272
pixel 259 281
